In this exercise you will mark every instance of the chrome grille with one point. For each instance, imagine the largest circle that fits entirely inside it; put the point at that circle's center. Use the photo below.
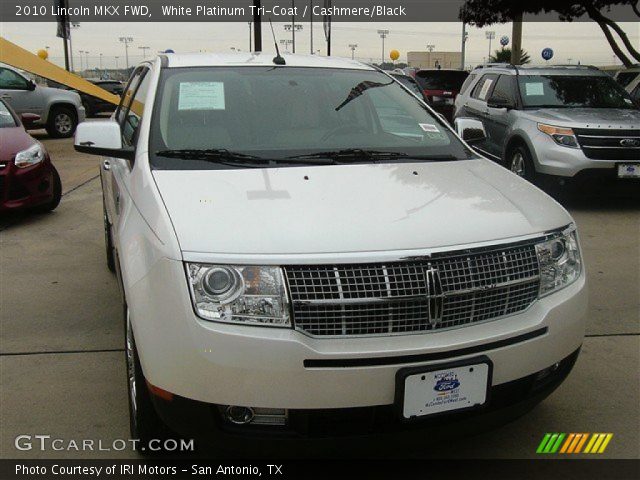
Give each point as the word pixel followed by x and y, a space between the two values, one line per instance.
pixel 441 292
pixel 604 144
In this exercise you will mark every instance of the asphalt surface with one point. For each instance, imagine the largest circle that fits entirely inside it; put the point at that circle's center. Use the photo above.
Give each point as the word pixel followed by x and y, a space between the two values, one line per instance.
pixel 62 369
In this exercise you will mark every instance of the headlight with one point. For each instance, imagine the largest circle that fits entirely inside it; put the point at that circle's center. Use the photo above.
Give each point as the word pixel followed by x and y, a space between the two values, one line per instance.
pixel 239 294
pixel 559 259
pixel 562 136
pixel 30 156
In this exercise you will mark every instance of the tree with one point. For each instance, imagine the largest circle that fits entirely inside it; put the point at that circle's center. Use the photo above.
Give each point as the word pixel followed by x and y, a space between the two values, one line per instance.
pixel 504 56
pixel 486 12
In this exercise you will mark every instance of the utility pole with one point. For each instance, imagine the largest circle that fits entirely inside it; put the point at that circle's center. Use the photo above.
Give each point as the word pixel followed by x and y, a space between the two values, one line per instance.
pixel 489 35
pixel 464 45
pixel 126 41
pixel 311 24
pixel 144 51
pixel 353 47
pixel 257 27
pixel 383 34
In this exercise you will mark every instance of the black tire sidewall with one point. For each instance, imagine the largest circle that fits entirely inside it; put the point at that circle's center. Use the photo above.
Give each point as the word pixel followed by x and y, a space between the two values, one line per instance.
pixel 51 127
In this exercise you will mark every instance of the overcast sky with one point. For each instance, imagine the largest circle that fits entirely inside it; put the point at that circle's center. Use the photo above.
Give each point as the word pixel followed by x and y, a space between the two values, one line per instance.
pixel 576 41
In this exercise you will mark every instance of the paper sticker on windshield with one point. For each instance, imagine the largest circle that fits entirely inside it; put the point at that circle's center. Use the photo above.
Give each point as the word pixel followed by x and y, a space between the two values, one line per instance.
pixel 429 127
pixel 533 89
pixel 201 96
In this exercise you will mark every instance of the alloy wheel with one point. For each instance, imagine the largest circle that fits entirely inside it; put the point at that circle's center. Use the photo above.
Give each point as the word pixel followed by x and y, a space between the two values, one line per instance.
pixel 517 164
pixel 63 123
pixel 131 369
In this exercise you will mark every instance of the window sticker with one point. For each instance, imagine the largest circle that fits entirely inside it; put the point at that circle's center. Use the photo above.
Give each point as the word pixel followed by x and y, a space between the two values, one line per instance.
pixel 485 89
pixel 201 96
pixel 429 127
pixel 533 89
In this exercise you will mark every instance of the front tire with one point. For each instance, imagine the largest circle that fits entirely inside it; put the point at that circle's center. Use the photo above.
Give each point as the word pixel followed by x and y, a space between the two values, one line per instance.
pixel 144 422
pixel 519 162
pixel 57 194
pixel 62 122
pixel 108 242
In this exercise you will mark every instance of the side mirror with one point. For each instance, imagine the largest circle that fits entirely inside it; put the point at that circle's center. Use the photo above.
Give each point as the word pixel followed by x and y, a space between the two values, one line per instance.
pixel 472 131
pixel 499 102
pixel 29 120
pixel 31 85
pixel 102 138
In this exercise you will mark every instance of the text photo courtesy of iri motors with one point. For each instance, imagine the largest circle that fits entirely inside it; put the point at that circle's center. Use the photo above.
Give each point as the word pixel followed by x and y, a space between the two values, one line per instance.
pixel 319 239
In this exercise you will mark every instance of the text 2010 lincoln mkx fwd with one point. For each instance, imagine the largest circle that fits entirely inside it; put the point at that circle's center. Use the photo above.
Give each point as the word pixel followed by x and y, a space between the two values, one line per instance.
pixel 299 239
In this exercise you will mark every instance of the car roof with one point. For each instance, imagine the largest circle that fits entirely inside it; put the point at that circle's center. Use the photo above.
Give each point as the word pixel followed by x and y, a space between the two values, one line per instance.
pixel 252 59
pixel 577 70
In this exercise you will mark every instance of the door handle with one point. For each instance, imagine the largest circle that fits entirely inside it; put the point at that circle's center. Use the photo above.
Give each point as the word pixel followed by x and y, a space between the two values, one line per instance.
pixel 106 165
pixel 5 96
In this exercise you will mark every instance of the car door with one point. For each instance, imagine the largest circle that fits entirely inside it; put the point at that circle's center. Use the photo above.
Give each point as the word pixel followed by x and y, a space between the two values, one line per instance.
pixel 497 120
pixel 129 118
pixel 476 106
pixel 112 197
pixel 19 92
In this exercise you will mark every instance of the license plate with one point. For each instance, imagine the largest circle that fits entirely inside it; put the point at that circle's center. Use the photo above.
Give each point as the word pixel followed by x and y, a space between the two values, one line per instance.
pixel 443 388
pixel 629 170
pixel 443 100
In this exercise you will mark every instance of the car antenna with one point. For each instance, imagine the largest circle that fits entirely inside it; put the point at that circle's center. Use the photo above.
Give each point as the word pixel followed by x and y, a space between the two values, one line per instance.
pixel 278 60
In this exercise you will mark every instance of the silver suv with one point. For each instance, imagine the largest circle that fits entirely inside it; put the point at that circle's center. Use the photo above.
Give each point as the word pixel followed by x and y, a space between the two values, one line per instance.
pixel 560 122
pixel 60 111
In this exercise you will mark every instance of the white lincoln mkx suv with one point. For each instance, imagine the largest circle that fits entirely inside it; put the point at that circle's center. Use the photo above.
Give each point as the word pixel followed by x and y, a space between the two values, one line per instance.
pixel 300 239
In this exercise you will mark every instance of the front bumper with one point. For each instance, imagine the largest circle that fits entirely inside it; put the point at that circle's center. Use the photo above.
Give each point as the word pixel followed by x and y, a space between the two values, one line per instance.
pixel 282 368
pixel 25 188
pixel 507 401
pixel 553 159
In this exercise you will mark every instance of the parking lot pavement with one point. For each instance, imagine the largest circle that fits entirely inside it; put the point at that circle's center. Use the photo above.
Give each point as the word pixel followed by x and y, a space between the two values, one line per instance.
pixel 62 370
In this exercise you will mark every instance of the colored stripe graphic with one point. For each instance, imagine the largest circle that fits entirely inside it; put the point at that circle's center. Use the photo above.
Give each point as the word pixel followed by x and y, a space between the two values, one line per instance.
pixel 573 443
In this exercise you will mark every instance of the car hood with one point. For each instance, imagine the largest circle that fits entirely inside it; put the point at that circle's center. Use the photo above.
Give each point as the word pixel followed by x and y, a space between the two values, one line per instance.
pixel 352 208
pixel 12 141
pixel 590 117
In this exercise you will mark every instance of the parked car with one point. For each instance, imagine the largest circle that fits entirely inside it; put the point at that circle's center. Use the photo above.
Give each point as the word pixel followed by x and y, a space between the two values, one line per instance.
pixel 411 84
pixel 441 87
pixel 563 123
pixel 28 179
pixel 93 105
pixel 320 271
pixel 59 111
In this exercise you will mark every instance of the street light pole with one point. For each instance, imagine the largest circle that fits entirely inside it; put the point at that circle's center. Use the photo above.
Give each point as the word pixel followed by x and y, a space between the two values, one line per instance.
pixel 81 64
pixel 117 62
pixel 100 61
pixel 490 35
pixel 353 47
pixel 126 41
pixel 383 34
pixel 464 45
pixel 144 51
pixel 311 23
pixel 250 35
pixel 86 53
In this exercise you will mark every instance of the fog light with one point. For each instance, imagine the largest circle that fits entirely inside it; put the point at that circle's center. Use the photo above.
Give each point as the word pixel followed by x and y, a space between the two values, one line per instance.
pixel 239 415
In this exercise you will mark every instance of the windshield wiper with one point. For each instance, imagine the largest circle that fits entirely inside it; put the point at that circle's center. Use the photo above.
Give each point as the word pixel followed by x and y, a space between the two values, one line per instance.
pixel 358 154
pixel 351 154
pixel 228 157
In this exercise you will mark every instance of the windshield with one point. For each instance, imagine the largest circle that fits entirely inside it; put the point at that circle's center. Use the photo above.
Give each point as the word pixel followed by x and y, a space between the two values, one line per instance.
pixel 289 113
pixel 441 79
pixel 570 91
pixel 6 119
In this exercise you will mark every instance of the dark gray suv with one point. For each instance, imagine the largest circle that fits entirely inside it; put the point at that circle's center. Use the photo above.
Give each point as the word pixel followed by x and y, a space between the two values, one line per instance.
pixel 562 122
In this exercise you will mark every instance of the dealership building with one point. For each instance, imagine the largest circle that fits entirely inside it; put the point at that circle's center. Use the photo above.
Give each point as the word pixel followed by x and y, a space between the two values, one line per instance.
pixel 434 59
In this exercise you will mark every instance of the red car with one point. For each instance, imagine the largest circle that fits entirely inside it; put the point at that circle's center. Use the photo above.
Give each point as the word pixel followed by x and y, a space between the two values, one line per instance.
pixel 441 87
pixel 28 179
